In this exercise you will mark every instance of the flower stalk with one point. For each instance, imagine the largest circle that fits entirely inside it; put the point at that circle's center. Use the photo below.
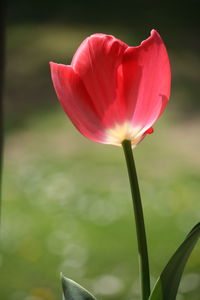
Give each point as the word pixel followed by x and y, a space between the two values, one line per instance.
pixel 139 220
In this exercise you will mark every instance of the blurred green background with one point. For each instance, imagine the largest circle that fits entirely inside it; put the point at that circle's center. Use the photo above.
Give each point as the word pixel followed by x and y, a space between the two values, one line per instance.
pixel 66 200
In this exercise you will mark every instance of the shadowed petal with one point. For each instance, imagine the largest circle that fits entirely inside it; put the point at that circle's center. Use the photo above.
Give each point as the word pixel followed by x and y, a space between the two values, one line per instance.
pixel 145 81
pixel 76 102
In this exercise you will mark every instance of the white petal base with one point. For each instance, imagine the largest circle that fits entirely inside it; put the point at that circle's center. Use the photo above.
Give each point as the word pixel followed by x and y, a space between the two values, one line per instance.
pixel 126 131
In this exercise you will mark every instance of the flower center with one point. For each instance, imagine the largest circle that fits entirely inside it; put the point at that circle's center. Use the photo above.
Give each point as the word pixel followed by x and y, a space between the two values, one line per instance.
pixel 121 132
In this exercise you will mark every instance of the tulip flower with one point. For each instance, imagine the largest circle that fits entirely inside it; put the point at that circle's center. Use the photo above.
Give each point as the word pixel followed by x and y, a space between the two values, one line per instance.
pixel 113 92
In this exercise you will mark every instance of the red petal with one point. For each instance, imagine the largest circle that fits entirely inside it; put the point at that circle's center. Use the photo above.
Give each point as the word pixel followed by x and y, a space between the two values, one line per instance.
pixel 145 81
pixel 96 61
pixel 76 102
pixel 149 131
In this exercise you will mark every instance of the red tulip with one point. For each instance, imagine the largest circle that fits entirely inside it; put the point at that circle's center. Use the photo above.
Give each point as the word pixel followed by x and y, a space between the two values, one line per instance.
pixel 113 92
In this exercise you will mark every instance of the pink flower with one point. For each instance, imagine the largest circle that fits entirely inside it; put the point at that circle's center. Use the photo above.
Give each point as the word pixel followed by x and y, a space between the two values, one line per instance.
pixel 113 92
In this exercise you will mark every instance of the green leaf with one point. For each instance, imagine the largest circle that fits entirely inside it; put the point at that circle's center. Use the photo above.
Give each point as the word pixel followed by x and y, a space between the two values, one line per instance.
pixel 166 287
pixel 73 291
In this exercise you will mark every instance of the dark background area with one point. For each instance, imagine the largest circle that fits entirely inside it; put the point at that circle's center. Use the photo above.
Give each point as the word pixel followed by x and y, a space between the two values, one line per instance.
pixel 178 21
pixel 171 15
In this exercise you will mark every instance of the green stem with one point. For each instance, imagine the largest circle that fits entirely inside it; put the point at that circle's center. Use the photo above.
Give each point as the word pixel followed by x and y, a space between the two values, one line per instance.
pixel 139 220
